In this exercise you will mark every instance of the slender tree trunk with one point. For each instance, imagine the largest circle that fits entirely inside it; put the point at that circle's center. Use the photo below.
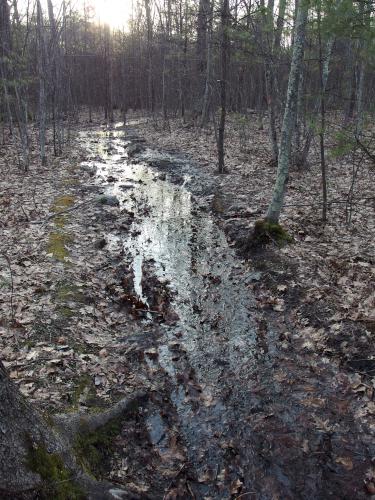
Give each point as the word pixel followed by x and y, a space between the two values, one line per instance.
pixel 42 70
pixel 360 75
pixel 151 104
pixel 55 81
pixel 223 83
pixel 322 122
pixel 207 90
pixel 274 209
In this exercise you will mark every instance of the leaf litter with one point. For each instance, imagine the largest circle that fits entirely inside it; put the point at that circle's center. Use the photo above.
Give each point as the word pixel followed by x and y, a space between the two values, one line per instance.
pixel 84 347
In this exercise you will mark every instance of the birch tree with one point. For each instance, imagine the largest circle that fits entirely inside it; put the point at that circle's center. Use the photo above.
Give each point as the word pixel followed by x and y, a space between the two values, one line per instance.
pixel 276 204
pixel 223 83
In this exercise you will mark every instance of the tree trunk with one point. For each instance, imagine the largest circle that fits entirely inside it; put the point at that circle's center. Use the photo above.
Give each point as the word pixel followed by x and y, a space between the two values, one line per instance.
pixel 207 89
pixel 223 83
pixel 151 104
pixel 274 209
pixel 42 70
pixel 37 460
pixel 323 79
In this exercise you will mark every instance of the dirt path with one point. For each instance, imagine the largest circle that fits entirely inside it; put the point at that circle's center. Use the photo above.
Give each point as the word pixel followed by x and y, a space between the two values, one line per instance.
pixel 238 401
pixel 123 279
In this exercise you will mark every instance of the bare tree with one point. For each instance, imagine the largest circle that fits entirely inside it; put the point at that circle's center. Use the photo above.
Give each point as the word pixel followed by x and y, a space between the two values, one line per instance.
pixel 274 209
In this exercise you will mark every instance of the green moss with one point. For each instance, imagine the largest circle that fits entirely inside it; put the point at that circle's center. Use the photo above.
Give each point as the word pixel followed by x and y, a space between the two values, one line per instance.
pixel 60 221
pixel 85 388
pixel 62 203
pixel 68 292
pixel 57 479
pixel 94 449
pixel 57 242
pixel 267 232
pixel 70 182
pixel 83 383
pixel 65 312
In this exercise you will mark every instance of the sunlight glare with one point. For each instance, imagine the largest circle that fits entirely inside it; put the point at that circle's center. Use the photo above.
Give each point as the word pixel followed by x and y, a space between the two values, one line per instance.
pixel 115 13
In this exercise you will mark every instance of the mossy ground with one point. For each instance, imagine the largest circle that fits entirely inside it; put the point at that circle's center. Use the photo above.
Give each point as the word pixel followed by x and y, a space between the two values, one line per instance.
pixel 84 388
pixel 68 292
pixel 269 232
pixel 57 242
pixel 62 203
pixel 94 449
pixel 57 479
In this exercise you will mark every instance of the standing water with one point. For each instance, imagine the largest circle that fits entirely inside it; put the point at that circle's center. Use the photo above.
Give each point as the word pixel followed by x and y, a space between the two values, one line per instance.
pixel 210 354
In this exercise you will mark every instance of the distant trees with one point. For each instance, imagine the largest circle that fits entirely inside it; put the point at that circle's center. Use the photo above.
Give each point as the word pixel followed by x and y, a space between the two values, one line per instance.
pixel 193 59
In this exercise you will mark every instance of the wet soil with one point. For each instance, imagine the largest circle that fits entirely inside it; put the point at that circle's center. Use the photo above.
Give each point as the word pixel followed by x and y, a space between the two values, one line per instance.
pixel 240 405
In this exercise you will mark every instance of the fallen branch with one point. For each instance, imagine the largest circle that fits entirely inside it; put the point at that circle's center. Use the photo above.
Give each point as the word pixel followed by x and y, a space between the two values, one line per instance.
pixel 365 150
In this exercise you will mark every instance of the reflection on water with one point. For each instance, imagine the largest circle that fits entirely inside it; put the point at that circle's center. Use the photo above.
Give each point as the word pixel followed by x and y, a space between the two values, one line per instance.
pixel 190 251
pixel 187 247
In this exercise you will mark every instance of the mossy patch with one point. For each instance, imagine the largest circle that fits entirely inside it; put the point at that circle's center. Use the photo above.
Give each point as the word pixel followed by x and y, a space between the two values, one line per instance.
pixel 58 481
pixel 57 243
pixel 67 292
pixel 94 449
pixel 60 204
pixel 65 312
pixel 269 232
pixel 84 391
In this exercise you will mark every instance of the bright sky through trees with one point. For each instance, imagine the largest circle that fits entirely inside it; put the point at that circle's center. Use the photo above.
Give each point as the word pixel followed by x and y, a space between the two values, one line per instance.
pixel 116 13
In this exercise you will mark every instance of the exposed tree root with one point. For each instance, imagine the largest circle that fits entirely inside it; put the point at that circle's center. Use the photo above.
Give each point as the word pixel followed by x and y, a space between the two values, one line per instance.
pixel 71 425
pixel 38 458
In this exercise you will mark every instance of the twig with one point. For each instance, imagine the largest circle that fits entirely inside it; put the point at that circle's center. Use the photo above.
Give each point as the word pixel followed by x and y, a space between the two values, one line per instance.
pixel 24 213
pixel 174 477
pixel 246 493
pixel 148 311
pixel 190 490
pixel 365 150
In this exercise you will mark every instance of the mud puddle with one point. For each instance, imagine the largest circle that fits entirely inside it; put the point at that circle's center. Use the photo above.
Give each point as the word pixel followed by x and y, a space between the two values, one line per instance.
pixel 220 373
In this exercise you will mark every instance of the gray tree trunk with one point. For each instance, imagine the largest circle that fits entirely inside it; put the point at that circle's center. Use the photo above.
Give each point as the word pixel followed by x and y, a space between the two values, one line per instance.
pixel 42 70
pixel 25 435
pixel 223 83
pixel 274 209
pixel 207 88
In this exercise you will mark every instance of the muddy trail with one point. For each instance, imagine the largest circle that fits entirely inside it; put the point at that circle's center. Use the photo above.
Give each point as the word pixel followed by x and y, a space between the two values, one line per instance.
pixel 237 409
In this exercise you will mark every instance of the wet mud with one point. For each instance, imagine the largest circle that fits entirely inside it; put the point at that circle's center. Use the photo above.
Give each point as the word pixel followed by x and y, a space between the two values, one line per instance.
pixel 237 410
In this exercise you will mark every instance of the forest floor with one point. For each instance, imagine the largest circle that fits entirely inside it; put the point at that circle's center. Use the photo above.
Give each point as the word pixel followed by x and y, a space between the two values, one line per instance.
pixel 260 368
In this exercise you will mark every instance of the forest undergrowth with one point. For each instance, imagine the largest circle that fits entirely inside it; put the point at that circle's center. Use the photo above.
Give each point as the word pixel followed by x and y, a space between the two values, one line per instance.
pixel 324 280
pixel 64 311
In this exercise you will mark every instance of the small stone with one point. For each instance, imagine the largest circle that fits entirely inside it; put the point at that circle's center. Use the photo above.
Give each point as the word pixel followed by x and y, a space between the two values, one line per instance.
pixel 110 200
pixel 99 244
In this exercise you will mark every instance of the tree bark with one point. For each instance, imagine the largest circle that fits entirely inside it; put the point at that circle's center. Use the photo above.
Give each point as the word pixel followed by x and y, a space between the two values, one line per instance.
pixel 42 70
pixel 23 431
pixel 207 88
pixel 223 83
pixel 274 209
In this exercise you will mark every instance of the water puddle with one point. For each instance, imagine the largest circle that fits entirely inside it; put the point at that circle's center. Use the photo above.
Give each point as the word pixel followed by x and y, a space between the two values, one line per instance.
pixel 208 353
